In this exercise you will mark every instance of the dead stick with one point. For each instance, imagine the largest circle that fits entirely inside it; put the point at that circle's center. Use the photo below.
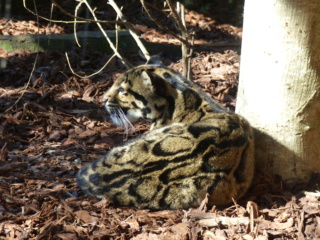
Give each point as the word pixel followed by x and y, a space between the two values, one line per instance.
pixel 214 222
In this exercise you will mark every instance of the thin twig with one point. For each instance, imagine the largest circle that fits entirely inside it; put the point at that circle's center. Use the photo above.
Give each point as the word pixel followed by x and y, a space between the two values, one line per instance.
pixel 176 16
pixel 163 28
pixel 84 19
pixel 75 23
pixel 104 66
pixel 226 221
pixel 34 63
pixel 301 225
pixel 115 50
pixel 87 76
pixel 315 194
pixel 116 29
pixel 80 19
pixel 189 72
pixel 185 47
pixel 130 29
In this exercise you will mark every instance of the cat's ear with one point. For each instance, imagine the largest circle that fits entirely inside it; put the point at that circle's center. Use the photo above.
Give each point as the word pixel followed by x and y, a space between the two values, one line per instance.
pixel 146 79
pixel 156 84
pixel 155 60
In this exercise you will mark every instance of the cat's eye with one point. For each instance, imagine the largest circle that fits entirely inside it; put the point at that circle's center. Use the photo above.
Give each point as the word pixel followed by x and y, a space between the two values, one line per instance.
pixel 120 90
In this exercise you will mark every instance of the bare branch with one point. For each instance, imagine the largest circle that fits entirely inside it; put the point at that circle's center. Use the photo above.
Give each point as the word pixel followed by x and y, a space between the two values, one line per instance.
pixel 79 19
pixel 185 47
pixel 214 222
pixel 116 47
pixel 115 50
pixel 88 76
pixel 131 30
pixel 75 23
pixel 176 16
pixel 34 64
pixel 165 29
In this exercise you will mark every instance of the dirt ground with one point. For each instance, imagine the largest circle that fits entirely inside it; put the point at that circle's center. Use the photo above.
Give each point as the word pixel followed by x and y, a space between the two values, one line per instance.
pixel 53 122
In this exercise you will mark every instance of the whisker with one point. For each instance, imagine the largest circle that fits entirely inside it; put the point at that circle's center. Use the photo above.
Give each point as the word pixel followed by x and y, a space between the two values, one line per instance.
pixel 120 119
pixel 129 128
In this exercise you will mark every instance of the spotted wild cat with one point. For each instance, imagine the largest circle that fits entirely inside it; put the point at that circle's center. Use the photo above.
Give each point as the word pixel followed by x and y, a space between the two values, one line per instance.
pixel 194 146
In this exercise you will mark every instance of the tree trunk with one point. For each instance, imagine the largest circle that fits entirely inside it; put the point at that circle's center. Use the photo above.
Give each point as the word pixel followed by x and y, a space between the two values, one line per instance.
pixel 279 84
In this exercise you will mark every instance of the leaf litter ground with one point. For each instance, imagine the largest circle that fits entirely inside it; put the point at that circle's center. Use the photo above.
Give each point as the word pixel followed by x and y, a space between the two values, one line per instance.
pixel 61 124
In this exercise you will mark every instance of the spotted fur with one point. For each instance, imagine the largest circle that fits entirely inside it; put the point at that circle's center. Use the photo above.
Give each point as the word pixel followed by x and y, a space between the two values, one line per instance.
pixel 195 147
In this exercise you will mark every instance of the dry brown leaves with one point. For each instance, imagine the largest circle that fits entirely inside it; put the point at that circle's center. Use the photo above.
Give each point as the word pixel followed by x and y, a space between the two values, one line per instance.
pixel 217 74
pixel 205 29
pixel 48 209
pixel 12 27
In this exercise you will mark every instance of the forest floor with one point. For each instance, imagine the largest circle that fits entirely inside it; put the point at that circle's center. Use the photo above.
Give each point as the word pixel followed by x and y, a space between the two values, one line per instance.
pixel 59 124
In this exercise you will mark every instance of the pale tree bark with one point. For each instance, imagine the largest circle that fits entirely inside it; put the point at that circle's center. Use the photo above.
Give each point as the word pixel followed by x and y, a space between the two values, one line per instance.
pixel 279 84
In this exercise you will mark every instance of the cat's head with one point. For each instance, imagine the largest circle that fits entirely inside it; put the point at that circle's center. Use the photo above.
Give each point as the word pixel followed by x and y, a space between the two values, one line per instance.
pixel 138 93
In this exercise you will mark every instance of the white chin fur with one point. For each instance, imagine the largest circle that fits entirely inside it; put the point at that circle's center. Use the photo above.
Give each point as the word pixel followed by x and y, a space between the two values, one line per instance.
pixel 120 119
pixel 133 116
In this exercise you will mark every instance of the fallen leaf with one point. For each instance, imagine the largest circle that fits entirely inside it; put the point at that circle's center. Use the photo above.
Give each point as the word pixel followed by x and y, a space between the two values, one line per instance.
pixel 86 217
